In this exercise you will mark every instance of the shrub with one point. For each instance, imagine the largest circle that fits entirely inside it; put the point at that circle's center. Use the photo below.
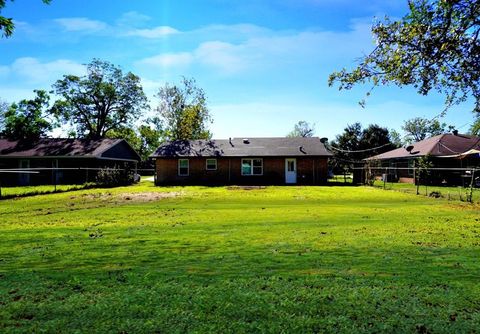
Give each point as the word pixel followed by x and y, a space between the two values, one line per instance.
pixel 114 177
pixel 435 194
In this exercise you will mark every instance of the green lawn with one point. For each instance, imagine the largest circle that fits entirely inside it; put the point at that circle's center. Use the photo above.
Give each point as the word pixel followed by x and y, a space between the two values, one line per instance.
pixel 281 259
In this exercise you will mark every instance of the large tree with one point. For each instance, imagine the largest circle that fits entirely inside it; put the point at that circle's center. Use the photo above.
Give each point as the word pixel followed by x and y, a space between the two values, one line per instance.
pixel 104 100
pixel 435 46
pixel 395 138
pixel 6 24
pixel 419 128
pixel 144 139
pixel 355 143
pixel 302 129
pixel 28 119
pixel 183 111
pixel 150 138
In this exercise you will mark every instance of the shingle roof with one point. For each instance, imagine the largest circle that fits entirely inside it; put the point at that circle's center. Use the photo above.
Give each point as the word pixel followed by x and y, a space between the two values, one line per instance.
pixel 440 146
pixel 237 147
pixel 56 147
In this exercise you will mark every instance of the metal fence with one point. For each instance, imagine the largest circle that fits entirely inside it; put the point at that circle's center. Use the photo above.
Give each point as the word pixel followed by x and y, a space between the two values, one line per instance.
pixel 453 183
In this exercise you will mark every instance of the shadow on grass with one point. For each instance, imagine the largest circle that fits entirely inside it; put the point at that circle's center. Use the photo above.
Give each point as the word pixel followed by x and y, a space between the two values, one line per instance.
pixel 4 196
pixel 420 264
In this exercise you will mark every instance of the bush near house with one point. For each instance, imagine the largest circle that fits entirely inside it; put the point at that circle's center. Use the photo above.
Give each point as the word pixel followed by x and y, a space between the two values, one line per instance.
pixel 114 177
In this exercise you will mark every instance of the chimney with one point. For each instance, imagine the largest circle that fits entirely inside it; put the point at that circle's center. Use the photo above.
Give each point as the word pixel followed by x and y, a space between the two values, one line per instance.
pixel 246 141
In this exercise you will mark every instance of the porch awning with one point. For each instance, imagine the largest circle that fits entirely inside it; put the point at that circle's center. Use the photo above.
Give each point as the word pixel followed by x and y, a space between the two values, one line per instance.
pixel 463 155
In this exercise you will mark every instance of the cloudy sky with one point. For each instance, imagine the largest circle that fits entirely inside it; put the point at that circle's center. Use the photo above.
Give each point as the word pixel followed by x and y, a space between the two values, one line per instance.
pixel 264 64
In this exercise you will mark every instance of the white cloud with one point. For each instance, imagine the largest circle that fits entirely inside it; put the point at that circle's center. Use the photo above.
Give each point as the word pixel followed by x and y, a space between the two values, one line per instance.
pixel 226 57
pixel 157 32
pixel 133 18
pixel 271 49
pixel 151 87
pixel 230 32
pixel 81 24
pixel 169 60
pixel 125 26
pixel 30 71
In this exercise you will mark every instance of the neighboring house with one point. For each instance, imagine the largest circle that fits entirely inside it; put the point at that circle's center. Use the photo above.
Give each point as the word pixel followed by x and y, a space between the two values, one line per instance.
pixel 447 151
pixel 254 161
pixel 70 156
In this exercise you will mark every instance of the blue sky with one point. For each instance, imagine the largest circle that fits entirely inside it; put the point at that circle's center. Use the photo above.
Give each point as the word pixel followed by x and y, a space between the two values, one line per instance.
pixel 263 64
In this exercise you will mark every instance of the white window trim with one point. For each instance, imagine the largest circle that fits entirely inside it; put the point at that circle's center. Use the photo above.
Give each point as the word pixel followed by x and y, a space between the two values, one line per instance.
pixel 251 170
pixel 188 167
pixel 206 164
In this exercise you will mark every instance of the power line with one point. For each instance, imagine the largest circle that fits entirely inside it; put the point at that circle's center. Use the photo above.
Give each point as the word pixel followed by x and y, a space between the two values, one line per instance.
pixel 359 151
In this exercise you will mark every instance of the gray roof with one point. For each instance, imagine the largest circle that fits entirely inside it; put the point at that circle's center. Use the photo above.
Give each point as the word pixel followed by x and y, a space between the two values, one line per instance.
pixel 444 145
pixel 239 147
pixel 61 147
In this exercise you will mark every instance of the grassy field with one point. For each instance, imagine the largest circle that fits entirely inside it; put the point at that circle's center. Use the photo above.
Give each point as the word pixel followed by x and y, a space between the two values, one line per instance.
pixel 281 259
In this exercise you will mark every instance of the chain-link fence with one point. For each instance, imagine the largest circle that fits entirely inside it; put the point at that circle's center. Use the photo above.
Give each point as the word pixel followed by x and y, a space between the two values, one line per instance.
pixel 451 183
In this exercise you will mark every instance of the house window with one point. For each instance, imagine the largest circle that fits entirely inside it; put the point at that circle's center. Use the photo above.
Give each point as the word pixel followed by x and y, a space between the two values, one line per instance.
pixel 211 164
pixel 183 167
pixel 252 166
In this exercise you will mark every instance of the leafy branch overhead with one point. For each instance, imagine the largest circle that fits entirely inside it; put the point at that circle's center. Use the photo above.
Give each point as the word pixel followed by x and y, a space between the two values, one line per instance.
pixel 434 47
pixel 6 24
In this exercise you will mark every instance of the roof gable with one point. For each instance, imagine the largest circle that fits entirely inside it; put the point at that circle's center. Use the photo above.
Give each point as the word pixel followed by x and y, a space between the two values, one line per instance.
pixel 59 147
pixel 237 147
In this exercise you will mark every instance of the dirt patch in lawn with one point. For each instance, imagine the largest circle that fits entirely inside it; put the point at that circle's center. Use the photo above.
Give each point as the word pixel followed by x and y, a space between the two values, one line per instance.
pixel 246 187
pixel 147 196
pixel 128 196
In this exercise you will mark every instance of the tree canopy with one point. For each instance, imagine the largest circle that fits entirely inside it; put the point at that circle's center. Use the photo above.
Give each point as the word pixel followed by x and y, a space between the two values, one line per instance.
pixel 435 46
pixel 355 143
pixel 302 129
pixel 27 119
pixel 3 110
pixel 6 24
pixel 144 139
pixel 183 111
pixel 419 128
pixel 104 100
pixel 475 127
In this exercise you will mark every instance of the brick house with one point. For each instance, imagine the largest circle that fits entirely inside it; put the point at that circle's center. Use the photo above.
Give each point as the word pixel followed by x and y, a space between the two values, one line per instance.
pixel 58 160
pixel 449 153
pixel 253 161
